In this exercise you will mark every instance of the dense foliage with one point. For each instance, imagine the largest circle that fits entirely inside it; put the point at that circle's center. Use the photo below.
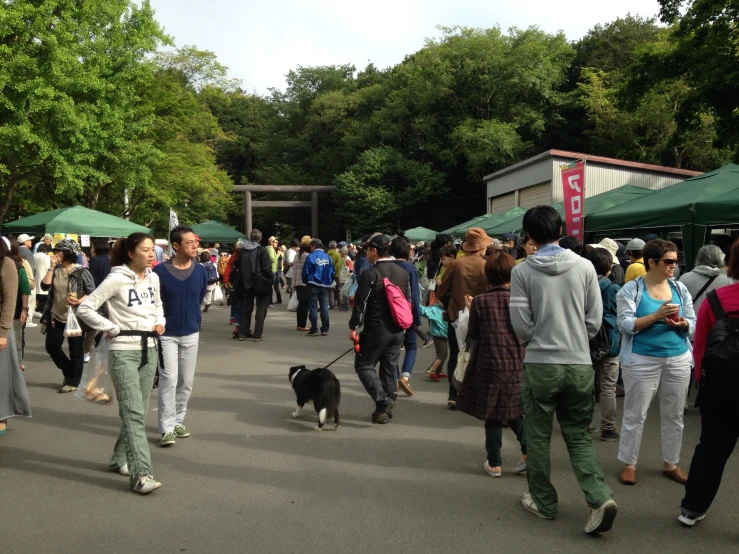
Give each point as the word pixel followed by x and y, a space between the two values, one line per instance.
pixel 94 110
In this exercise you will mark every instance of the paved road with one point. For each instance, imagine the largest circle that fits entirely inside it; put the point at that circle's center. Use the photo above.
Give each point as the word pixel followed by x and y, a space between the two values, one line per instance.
pixel 252 479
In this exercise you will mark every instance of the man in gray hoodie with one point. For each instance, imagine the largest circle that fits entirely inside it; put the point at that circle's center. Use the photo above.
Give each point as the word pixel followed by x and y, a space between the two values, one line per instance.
pixel 556 309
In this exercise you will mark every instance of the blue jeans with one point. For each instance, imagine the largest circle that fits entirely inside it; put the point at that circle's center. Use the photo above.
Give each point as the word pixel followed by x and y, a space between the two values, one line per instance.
pixel 409 341
pixel 237 307
pixel 318 295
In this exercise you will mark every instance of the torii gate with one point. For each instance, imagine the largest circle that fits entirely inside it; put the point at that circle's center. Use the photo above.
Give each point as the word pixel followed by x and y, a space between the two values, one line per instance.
pixel 312 204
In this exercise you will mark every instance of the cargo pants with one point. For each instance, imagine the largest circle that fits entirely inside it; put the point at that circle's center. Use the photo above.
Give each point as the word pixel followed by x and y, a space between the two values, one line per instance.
pixel 567 391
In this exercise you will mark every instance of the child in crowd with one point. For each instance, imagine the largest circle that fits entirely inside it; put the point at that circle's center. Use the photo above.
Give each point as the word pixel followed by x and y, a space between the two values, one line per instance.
pixel 439 335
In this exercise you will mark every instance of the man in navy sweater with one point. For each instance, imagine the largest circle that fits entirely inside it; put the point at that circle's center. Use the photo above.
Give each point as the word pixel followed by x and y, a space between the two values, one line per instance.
pixel 183 286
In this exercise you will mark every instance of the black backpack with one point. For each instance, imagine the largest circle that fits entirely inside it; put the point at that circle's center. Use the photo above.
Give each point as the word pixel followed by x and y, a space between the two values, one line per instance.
pixel 720 365
pixel 600 344
pixel 235 278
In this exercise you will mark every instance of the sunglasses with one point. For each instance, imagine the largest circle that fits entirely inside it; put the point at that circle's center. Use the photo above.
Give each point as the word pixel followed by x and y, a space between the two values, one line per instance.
pixel 669 261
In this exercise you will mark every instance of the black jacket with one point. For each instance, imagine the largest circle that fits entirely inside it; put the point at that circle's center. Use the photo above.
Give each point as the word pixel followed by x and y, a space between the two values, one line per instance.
pixel 370 298
pixel 256 268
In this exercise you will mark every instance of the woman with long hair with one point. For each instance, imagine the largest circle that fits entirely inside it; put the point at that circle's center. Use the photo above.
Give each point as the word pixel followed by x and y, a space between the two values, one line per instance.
pixel 300 287
pixel 135 320
pixel 13 393
pixel 656 321
pixel 68 284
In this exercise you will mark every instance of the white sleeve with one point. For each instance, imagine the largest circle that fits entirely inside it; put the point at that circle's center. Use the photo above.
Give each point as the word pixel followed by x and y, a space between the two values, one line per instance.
pixel 88 310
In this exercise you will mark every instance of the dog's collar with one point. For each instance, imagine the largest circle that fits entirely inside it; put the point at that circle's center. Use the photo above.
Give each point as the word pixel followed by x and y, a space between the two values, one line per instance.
pixel 294 375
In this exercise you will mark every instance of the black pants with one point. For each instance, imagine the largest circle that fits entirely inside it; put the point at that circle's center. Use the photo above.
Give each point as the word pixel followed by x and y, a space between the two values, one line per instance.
pixel 334 294
pixel 375 347
pixel 41 302
pixel 71 367
pixel 452 363
pixel 494 438
pixel 423 335
pixel 276 287
pixel 302 313
pixel 718 439
pixel 250 296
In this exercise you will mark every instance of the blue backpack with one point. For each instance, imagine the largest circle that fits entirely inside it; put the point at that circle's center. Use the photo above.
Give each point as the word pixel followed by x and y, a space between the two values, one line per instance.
pixel 212 272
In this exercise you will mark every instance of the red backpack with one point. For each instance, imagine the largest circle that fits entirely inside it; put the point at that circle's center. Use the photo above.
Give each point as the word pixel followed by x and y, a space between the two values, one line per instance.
pixel 400 308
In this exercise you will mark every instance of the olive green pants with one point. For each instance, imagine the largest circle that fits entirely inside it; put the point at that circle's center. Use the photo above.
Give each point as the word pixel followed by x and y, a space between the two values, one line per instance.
pixel 566 390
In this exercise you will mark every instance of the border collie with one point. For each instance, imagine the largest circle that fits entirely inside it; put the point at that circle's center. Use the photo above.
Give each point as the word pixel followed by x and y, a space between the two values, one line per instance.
pixel 322 387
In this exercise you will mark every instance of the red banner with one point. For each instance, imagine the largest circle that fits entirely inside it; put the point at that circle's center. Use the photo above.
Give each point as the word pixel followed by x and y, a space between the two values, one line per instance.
pixel 573 189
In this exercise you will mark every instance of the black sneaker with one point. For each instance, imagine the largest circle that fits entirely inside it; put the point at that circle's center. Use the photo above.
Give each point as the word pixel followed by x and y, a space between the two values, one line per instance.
pixel 382 412
pixel 312 333
pixel 609 435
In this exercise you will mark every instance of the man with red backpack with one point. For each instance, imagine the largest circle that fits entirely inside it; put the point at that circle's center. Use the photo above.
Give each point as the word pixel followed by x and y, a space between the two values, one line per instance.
pixel 384 325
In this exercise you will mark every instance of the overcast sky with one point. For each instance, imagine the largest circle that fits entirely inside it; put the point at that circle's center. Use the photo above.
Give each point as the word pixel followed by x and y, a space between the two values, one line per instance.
pixel 260 41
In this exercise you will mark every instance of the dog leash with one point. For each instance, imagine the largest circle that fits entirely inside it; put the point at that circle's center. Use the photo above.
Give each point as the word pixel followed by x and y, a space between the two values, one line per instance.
pixel 337 359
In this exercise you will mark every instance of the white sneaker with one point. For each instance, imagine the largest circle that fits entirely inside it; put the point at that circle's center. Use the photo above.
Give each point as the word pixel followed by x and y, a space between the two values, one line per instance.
pixel 146 484
pixel 528 503
pixel 123 470
pixel 492 471
pixel 601 519
pixel 31 325
pixel 87 358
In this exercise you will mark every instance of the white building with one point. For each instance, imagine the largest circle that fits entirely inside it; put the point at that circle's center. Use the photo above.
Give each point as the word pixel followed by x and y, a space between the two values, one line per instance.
pixel 538 180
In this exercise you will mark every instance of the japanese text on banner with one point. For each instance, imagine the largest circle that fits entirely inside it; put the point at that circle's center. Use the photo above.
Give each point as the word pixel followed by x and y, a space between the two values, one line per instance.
pixel 573 189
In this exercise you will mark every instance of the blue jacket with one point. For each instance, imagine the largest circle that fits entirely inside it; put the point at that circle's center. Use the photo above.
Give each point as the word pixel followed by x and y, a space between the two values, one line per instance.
pixel 437 325
pixel 415 289
pixel 182 299
pixel 608 292
pixel 318 270
pixel 361 264
pixel 628 300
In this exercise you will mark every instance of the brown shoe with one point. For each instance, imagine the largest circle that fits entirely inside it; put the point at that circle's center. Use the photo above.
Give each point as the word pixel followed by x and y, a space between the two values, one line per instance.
pixel 405 385
pixel 628 476
pixel 303 329
pixel 676 474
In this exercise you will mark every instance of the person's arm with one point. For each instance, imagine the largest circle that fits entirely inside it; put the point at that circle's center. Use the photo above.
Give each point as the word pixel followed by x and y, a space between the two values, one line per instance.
pixel 88 308
pixel 705 322
pixel 24 288
pixel 521 314
pixel 628 323
pixel 160 321
pixel 688 311
pixel 306 272
pixel 593 305
pixel 9 298
pixel 29 274
pixel 49 277
pixel 203 285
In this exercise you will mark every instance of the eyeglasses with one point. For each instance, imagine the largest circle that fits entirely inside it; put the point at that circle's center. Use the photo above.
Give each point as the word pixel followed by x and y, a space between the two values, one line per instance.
pixel 191 242
pixel 669 261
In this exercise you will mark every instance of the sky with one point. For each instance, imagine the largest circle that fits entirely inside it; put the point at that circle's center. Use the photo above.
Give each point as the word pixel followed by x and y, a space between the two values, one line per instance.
pixel 260 41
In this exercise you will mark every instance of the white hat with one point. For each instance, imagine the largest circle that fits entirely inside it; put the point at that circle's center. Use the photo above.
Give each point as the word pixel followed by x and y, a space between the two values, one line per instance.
pixel 24 238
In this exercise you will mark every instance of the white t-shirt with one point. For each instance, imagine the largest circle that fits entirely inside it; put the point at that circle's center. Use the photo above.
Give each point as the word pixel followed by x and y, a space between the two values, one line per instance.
pixel 290 256
pixel 42 262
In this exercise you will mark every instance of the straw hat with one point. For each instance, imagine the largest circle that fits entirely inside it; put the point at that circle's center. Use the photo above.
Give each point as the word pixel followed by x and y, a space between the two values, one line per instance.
pixel 305 241
pixel 476 239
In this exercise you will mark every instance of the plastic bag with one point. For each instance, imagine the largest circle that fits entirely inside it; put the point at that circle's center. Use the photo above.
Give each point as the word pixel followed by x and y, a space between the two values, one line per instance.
pixel 72 328
pixel 346 288
pixel 292 305
pixel 96 385
pixel 217 294
pixel 461 326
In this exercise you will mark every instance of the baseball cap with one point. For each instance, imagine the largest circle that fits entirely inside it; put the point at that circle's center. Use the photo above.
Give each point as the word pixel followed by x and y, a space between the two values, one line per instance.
pixel 24 238
pixel 635 244
pixel 377 240
pixel 342 244
pixel 271 239
pixel 509 236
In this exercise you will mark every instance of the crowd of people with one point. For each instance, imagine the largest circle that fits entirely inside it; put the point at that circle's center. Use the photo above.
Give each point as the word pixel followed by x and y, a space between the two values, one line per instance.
pixel 524 328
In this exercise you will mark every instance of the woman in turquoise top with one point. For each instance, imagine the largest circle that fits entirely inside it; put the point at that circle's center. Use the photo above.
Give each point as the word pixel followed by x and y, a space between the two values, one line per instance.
pixel 656 320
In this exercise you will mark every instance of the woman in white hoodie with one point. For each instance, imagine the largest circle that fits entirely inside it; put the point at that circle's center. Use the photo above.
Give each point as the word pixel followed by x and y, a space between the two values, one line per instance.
pixel 135 320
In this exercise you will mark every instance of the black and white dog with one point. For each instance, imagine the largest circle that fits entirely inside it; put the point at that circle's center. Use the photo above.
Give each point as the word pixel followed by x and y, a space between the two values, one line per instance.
pixel 322 387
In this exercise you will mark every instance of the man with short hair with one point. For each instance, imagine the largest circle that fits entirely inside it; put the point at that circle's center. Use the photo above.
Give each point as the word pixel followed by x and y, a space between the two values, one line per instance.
pixel 258 280
pixel 508 240
pixel 334 296
pixel 556 309
pixel 183 284
pixel 272 254
pixel 47 240
pixel 381 337
pixel 318 275
pixel 400 249
pixel 636 269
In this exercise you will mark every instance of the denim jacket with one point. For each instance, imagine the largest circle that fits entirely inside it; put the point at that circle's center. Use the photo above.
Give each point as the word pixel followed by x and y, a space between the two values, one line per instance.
pixel 627 301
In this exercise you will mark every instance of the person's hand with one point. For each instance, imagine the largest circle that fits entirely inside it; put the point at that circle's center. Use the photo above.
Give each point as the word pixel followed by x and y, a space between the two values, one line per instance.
pixel 665 310
pixel 3 343
pixel 468 301
pixel 158 329
pixel 24 317
pixel 681 323
pixel 353 335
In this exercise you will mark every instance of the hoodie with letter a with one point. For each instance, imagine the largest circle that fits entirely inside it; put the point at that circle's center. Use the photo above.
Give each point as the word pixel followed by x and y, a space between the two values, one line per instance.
pixel 556 308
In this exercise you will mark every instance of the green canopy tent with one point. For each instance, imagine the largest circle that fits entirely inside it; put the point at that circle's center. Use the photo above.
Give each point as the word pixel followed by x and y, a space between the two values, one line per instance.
pixel 595 203
pixel 692 206
pixel 486 221
pixel 420 234
pixel 75 220
pixel 463 227
pixel 212 231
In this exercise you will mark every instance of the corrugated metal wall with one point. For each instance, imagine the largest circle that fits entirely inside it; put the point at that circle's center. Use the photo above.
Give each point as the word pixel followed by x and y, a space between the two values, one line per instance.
pixel 503 203
pixel 536 195
pixel 602 178
pixel 537 172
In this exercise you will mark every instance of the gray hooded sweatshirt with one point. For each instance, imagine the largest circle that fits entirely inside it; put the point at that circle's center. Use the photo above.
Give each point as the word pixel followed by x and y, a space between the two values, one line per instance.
pixel 695 280
pixel 556 308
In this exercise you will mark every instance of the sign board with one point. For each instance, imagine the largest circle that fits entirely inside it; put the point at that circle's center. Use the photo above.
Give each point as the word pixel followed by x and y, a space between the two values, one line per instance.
pixel 348 236
pixel 85 241
pixel 573 191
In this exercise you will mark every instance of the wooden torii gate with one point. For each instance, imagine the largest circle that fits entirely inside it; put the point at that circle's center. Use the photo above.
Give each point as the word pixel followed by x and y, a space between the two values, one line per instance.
pixel 247 190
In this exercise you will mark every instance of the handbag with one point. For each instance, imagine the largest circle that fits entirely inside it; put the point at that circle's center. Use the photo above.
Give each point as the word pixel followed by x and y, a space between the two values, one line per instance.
pixel 463 359
pixel 217 294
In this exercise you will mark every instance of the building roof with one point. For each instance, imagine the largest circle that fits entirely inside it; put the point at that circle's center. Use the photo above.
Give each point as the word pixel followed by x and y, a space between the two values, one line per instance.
pixel 597 159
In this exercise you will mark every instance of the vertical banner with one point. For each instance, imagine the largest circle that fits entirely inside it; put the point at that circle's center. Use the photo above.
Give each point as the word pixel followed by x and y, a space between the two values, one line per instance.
pixel 573 189
pixel 173 222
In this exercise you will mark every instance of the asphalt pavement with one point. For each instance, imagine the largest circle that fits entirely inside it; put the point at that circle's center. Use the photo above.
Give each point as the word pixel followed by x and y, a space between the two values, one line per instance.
pixel 253 479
